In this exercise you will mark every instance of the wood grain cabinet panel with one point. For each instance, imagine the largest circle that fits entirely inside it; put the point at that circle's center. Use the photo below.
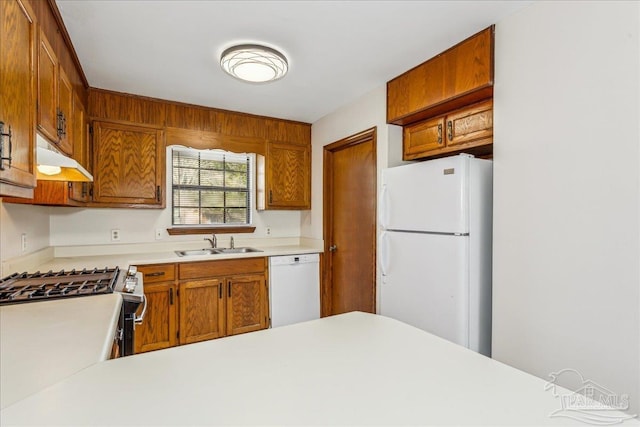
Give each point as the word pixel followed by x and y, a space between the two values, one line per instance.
pixel 457 77
pixel 128 165
pixel 18 42
pixel 469 66
pixel 207 300
pixel 284 176
pixel 55 98
pixel 158 329
pixel 468 129
pixel 47 89
pixel 471 125
pixel 424 137
pixel 65 106
pixel 246 304
pixel 81 149
pixel 201 310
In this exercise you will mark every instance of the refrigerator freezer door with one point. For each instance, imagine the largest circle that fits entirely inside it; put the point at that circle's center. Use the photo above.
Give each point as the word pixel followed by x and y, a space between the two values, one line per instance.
pixel 425 282
pixel 428 196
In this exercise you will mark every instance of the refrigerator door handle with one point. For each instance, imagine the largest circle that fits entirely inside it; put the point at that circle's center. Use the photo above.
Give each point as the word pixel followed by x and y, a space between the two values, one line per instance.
pixel 384 254
pixel 384 206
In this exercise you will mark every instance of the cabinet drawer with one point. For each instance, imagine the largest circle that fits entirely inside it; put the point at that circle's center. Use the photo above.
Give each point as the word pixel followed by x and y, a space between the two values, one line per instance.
pixel 157 272
pixel 196 270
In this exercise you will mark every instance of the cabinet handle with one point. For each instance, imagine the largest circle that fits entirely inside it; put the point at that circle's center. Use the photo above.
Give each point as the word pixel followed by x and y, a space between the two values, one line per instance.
pixel 450 130
pixel 229 288
pixel 139 319
pixel 155 274
pixel 158 193
pixel 440 133
pixel 220 291
pixel 60 123
pixel 171 296
pixel 270 196
pixel 2 155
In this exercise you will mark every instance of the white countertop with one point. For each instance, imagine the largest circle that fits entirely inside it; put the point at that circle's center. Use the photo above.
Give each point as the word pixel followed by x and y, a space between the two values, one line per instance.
pixel 353 369
pixel 141 258
pixel 42 343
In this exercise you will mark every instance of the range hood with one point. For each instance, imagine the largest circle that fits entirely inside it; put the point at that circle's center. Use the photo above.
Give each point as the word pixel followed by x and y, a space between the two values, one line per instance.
pixel 53 166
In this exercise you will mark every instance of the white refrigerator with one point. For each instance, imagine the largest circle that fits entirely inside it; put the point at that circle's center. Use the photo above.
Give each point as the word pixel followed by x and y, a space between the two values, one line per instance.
pixel 435 248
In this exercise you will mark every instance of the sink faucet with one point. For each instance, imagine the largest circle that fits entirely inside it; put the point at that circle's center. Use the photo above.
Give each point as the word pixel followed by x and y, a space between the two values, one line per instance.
pixel 232 244
pixel 213 241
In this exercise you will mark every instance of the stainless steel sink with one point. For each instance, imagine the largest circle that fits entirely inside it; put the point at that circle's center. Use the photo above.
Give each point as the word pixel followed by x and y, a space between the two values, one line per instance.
pixel 216 251
pixel 196 252
pixel 236 250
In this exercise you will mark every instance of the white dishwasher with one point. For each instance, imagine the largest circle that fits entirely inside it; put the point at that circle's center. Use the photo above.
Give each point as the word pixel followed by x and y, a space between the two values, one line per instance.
pixel 294 288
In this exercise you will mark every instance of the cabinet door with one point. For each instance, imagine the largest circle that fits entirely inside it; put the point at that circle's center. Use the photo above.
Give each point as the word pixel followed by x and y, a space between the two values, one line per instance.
pixel 288 176
pixel 469 66
pixel 65 109
pixel 423 137
pixel 80 190
pixel 17 97
pixel 415 90
pixel 457 77
pixel 47 89
pixel 128 165
pixel 201 310
pixel 158 329
pixel 472 125
pixel 246 304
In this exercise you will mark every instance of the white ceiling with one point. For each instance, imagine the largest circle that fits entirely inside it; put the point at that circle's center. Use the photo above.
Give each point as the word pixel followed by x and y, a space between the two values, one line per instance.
pixel 337 50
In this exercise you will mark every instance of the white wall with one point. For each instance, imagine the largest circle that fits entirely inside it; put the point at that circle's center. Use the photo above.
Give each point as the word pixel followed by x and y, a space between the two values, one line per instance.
pixel 364 113
pixel 17 219
pixel 566 210
pixel 75 226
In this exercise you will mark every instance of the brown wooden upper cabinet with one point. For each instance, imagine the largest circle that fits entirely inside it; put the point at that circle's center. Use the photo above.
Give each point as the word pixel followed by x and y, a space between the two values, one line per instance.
pixel 128 165
pixel 55 98
pixel 81 149
pixel 455 78
pixel 468 129
pixel 17 99
pixel 284 176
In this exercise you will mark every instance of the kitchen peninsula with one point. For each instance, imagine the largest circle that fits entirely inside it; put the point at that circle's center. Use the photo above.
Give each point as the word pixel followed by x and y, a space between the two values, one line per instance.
pixel 351 369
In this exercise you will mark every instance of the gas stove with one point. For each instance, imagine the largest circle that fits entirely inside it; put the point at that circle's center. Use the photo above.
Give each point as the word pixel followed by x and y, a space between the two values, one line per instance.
pixel 52 285
pixel 30 287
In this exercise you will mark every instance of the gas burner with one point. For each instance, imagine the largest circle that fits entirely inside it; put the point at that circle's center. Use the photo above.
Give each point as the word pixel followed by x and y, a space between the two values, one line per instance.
pixel 26 287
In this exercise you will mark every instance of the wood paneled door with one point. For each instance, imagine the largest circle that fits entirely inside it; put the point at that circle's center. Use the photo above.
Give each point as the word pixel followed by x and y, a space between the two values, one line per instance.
pixel 349 262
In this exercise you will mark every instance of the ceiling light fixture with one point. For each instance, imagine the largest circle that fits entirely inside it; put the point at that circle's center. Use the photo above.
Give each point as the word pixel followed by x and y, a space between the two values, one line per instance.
pixel 254 63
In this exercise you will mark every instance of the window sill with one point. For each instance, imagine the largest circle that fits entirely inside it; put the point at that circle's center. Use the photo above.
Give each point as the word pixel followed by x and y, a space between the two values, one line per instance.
pixel 179 231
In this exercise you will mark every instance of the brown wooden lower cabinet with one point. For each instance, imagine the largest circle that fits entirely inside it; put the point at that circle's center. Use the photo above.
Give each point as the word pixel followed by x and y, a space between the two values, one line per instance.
pixel 158 329
pixel 203 301
pixel 246 304
pixel 201 310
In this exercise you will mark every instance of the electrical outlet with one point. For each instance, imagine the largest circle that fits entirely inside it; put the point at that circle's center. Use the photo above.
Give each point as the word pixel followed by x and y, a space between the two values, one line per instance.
pixel 115 234
pixel 23 242
pixel 159 234
pixel 267 230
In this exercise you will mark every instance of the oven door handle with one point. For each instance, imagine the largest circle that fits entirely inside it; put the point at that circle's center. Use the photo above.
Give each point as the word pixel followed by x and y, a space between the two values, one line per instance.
pixel 138 320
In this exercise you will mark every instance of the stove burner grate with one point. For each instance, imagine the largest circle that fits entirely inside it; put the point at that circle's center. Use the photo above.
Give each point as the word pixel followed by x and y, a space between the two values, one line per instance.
pixel 26 287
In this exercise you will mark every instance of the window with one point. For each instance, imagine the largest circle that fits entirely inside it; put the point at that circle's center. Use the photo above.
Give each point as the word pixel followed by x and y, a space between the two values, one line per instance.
pixel 211 187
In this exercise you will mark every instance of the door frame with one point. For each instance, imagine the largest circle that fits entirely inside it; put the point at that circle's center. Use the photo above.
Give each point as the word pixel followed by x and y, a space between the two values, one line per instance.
pixel 327 207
